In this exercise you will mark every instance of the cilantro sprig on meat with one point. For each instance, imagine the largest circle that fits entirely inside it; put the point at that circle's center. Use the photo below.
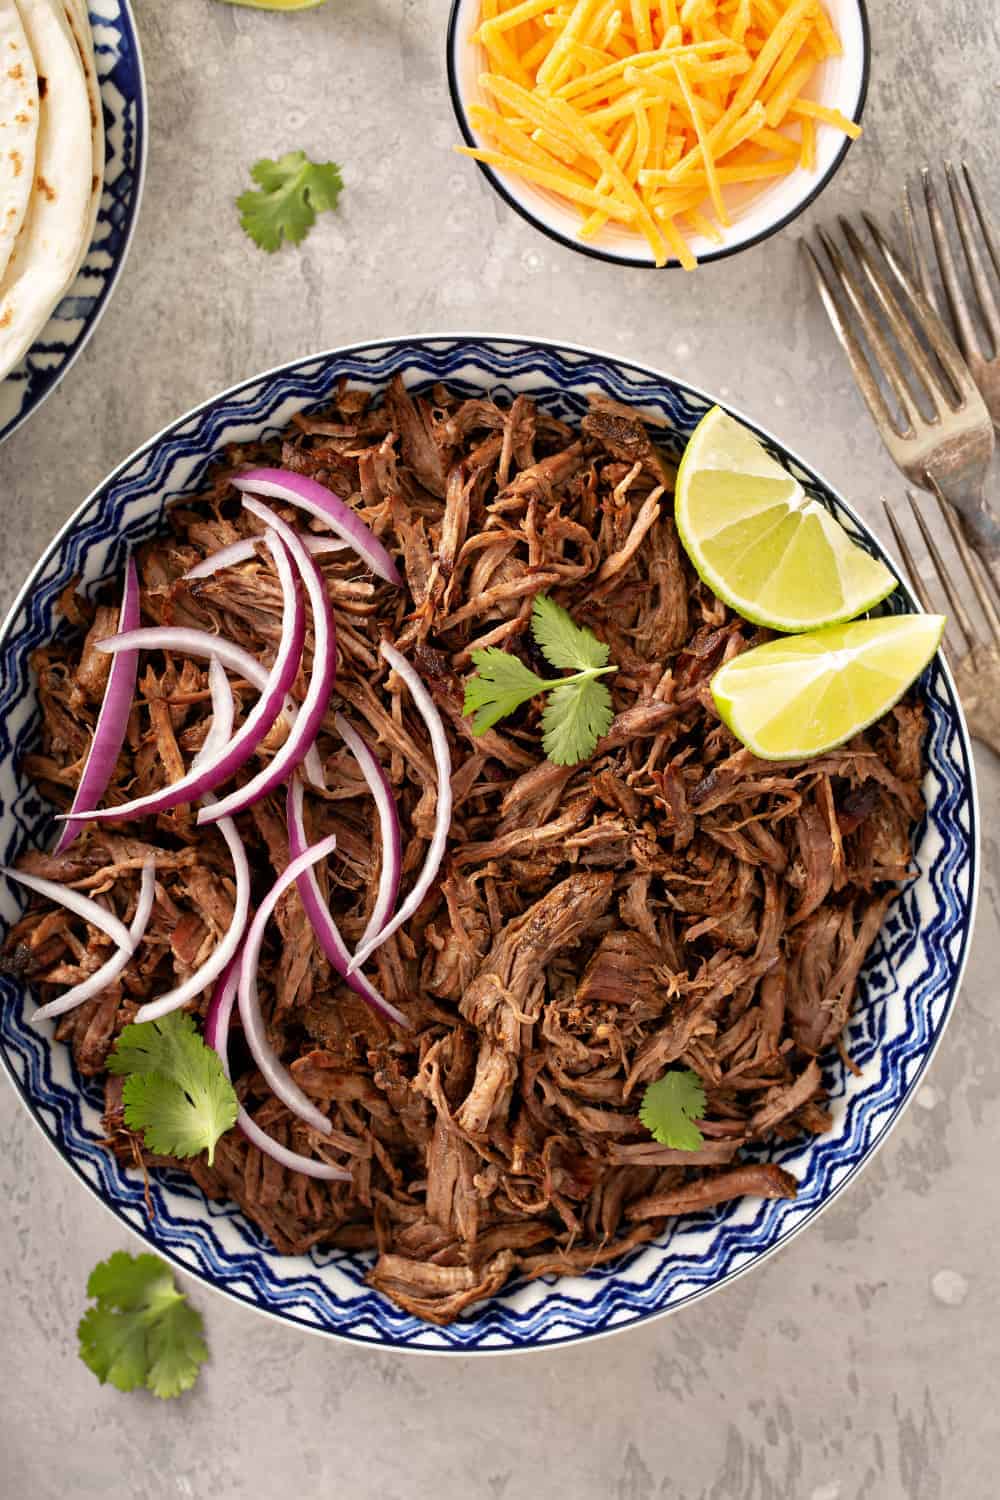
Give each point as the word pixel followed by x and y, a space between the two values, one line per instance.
pixel 176 1092
pixel 671 1105
pixel 578 709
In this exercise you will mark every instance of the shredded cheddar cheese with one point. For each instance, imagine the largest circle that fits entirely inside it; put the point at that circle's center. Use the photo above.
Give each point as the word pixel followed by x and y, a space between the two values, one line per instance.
pixel 646 113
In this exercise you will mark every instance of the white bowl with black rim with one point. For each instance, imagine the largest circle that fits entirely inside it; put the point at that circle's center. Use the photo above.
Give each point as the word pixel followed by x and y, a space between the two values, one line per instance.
pixel 757 210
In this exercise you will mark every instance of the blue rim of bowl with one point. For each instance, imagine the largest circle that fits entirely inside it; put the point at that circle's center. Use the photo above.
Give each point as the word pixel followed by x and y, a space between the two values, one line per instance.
pixel 959 963
pixel 608 256
pixel 135 202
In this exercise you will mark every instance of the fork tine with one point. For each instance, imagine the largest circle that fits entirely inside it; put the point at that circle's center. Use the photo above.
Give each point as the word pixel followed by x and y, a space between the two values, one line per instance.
pixel 918 260
pixel 977 273
pixel 965 552
pixel 931 325
pixel 958 609
pixel 968 341
pixel 985 223
pixel 856 356
pixel 885 355
pixel 916 582
pixel 899 324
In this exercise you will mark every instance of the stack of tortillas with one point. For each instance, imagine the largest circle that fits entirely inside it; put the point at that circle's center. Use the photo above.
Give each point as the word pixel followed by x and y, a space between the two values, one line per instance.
pixel 51 162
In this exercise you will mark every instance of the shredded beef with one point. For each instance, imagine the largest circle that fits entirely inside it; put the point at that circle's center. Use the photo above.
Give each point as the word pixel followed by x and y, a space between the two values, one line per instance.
pixel 670 902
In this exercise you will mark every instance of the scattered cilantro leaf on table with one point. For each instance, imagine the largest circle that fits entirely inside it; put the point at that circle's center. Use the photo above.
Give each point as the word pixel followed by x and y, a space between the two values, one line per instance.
pixel 142 1331
pixel 292 191
pixel 578 710
pixel 669 1107
pixel 176 1091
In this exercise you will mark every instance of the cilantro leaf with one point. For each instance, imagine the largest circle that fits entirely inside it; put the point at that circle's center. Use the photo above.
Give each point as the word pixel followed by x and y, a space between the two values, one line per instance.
pixel 561 641
pixel 573 720
pixel 578 710
pixel 293 190
pixel 142 1331
pixel 176 1091
pixel 501 684
pixel 176 1349
pixel 124 1282
pixel 113 1345
pixel 178 1121
pixel 670 1105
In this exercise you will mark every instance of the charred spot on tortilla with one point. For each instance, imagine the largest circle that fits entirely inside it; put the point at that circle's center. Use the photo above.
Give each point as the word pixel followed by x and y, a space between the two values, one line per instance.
pixel 43 187
pixel 6 317
pixel 16 162
pixel 43 86
pixel 16 72
pixel 22 118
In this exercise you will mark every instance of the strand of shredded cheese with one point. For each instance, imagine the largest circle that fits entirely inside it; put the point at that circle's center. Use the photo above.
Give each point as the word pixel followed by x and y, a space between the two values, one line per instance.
pixel 811 110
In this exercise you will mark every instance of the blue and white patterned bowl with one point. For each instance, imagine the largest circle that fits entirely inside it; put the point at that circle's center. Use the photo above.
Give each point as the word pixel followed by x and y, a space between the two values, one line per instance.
pixel 123 95
pixel 906 993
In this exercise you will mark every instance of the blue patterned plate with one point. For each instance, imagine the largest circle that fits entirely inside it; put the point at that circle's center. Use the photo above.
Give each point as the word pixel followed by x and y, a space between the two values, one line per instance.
pixel 906 992
pixel 123 94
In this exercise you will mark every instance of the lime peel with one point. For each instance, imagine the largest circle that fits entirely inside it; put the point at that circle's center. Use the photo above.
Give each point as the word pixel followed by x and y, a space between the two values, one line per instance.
pixel 278 4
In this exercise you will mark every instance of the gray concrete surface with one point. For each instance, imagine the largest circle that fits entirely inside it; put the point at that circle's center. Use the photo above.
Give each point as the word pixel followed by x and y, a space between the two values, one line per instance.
pixel 863 1361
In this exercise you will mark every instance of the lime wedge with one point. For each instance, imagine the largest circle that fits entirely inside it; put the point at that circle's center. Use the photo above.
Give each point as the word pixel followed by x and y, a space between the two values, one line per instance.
pixel 760 542
pixel 278 4
pixel 799 696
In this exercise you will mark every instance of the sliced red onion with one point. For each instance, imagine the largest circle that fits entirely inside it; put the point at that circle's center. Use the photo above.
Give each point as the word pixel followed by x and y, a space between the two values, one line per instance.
pixel 220 730
pixel 112 721
pixel 314 498
pixel 276 1075
pixel 74 901
pixel 392 841
pixel 244 550
pixel 224 951
pixel 312 712
pixel 321 918
pixel 220 1011
pixel 254 727
pixel 108 972
pixel 442 820
pixel 183 639
pixel 191 642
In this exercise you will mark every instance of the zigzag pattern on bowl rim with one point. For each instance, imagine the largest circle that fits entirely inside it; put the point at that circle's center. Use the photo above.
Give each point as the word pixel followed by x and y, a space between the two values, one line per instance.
pixel 123 95
pixel 907 989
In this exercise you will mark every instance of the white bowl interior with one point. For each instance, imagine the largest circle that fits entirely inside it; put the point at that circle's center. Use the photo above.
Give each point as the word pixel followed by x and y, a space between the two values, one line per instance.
pixel 755 209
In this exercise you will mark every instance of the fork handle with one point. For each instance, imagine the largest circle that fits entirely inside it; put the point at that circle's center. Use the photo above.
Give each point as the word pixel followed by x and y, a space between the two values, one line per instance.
pixel 979 523
pixel 983 531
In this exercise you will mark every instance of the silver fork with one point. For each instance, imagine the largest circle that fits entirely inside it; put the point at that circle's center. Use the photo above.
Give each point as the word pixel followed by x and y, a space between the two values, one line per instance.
pixel 977 672
pixel 950 451
pixel 984 366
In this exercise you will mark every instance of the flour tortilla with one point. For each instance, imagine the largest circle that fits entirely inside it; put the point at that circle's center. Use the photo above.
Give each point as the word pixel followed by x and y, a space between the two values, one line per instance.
pixel 47 252
pixel 18 127
pixel 79 24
